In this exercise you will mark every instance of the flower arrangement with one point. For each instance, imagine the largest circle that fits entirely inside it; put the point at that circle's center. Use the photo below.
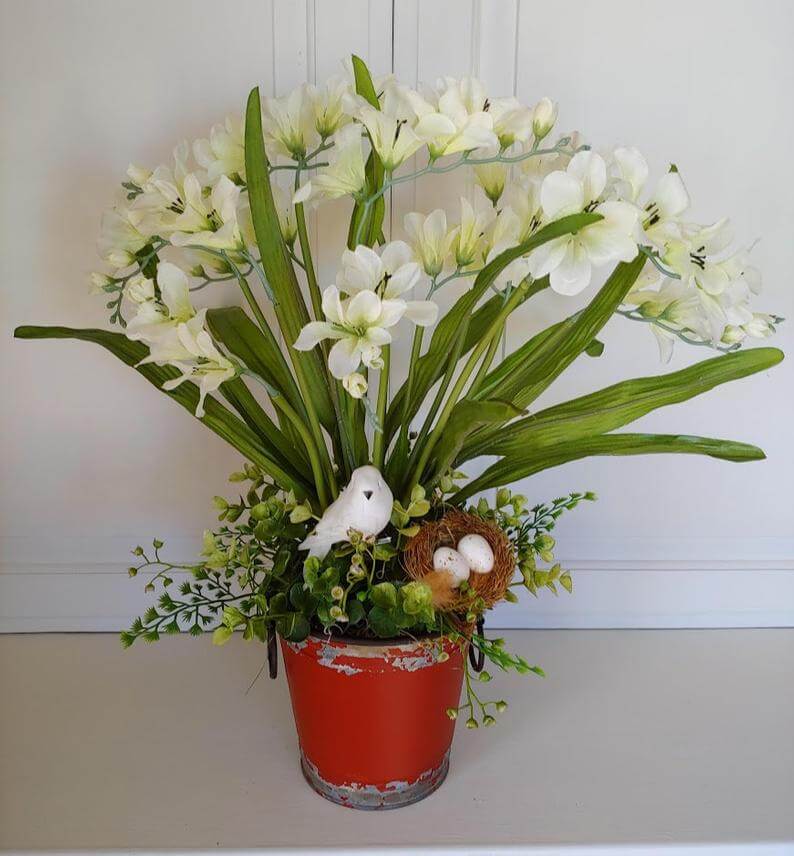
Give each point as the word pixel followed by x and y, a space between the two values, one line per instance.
pixel 354 515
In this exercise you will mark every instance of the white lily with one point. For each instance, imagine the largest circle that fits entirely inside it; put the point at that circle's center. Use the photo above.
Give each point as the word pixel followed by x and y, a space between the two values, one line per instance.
pixel 288 126
pixel 430 239
pixel 391 274
pixel 691 256
pixel 328 105
pixel 224 152
pixel 512 121
pixel 204 364
pixel 156 319
pixel 453 117
pixel 491 176
pixel 121 236
pixel 569 260
pixel 359 326
pixel 345 174
pixel 285 213
pixel 393 139
pixel 211 223
pixel 470 244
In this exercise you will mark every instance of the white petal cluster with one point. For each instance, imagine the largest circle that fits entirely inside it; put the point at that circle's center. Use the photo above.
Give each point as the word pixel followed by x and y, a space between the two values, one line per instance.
pixel 175 332
pixel 363 306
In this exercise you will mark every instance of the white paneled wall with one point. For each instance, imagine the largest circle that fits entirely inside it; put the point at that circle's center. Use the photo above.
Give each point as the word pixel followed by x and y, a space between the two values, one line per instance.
pixel 94 462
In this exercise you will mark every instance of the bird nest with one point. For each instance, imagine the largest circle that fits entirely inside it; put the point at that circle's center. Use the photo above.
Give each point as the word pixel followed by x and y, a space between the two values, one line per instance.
pixel 417 558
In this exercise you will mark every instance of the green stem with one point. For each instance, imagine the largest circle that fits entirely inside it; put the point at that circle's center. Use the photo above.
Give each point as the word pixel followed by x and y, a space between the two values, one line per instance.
pixel 416 350
pixel 378 445
pixel 306 255
pixel 493 332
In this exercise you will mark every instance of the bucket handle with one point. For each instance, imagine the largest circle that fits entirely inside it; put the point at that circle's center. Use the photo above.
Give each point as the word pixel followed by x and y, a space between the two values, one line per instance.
pixel 476 655
pixel 272 651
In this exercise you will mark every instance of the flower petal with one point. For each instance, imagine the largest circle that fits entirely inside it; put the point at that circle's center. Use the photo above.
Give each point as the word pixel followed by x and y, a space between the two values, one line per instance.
pixel 423 313
pixel 572 275
pixel 561 194
pixel 363 309
pixel 344 357
pixel 313 333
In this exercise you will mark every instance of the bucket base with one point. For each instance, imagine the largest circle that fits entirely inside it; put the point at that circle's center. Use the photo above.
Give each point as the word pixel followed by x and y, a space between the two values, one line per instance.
pixel 372 798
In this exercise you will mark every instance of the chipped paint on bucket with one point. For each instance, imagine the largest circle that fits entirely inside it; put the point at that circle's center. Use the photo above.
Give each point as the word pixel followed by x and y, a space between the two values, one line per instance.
pixel 371 717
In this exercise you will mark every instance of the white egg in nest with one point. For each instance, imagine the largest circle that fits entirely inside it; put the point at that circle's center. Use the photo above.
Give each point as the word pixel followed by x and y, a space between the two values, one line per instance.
pixel 451 561
pixel 477 553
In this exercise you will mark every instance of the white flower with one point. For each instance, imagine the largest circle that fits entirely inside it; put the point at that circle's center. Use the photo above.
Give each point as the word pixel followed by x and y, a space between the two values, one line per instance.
pixel 453 117
pixel 139 289
pixel 430 239
pixel 121 236
pixel 491 176
pixel 138 175
pixel 522 197
pixel 204 363
pixel 393 139
pixel 99 282
pixel 569 260
pixel 355 384
pixel 661 216
pixel 224 152
pixel 512 121
pixel 544 115
pixel 359 325
pixel 328 105
pixel 691 257
pixel 469 244
pixel 156 320
pixel 390 274
pixel 345 173
pixel 285 213
pixel 288 126
pixel 210 223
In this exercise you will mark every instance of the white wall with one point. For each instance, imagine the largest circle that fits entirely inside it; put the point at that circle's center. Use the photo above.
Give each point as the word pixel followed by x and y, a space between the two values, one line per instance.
pixel 93 461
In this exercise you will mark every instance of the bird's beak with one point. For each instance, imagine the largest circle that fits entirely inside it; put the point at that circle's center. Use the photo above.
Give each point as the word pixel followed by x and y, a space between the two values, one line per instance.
pixel 368 494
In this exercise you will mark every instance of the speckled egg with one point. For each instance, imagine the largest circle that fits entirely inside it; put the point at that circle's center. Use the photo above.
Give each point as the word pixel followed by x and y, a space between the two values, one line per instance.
pixel 477 553
pixel 451 561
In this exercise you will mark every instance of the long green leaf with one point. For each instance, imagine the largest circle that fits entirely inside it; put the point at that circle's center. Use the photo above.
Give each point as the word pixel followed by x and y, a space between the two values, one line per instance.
pixel 287 450
pixel 217 418
pixel 289 306
pixel 369 231
pixel 517 466
pixel 617 405
pixel 521 379
pixel 449 327
pixel 430 366
pixel 467 416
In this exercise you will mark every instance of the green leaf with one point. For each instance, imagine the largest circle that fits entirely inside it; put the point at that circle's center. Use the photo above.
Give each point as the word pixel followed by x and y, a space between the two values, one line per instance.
pixel 382 622
pixel 529 371
pixel 258 351
pixel 517 466
pixel 431 365
pixel 217 418
pixel 370 230
pixel 466 417
pixel 293 627
pixel 383 595
pixel 222 635
pixel 289 306
pixel 617 405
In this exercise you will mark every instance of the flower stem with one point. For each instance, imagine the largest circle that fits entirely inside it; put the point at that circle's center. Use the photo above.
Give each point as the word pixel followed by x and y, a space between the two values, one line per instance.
pixel 378 443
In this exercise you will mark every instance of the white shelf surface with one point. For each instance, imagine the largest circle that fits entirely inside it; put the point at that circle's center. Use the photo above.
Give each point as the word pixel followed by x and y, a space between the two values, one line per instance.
pixel 636 742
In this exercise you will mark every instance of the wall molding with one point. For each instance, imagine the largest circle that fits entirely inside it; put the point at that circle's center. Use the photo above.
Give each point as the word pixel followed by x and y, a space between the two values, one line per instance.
pixel 78 584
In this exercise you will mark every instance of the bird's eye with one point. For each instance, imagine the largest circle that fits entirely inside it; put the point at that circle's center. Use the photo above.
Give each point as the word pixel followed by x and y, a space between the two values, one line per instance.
pixel 368 494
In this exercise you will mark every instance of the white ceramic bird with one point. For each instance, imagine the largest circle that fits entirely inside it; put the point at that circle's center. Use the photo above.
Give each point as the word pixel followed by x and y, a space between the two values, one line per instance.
pixel 365 505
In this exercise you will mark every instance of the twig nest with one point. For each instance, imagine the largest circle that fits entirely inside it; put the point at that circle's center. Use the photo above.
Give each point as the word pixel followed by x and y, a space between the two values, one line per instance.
pixel 488 586
pixel 477 553
pixel 453 562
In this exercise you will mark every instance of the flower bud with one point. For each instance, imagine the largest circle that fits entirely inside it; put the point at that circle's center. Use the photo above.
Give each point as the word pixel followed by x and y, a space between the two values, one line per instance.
pixel 501 706
pixel 337 592
pixel 488 720
pixel 452 713
pixel 543 118
pixel 99 281
pixel 471 722
pixel 355 384
pixel 119 258
pixel 138 174
pixel 139 289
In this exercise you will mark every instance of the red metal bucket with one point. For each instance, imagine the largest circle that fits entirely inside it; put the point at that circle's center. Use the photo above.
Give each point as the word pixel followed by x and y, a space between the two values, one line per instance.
pixel 371 717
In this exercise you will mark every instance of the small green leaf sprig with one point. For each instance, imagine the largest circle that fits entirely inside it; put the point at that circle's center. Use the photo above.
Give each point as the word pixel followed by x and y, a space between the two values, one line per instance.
pixel 529 531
